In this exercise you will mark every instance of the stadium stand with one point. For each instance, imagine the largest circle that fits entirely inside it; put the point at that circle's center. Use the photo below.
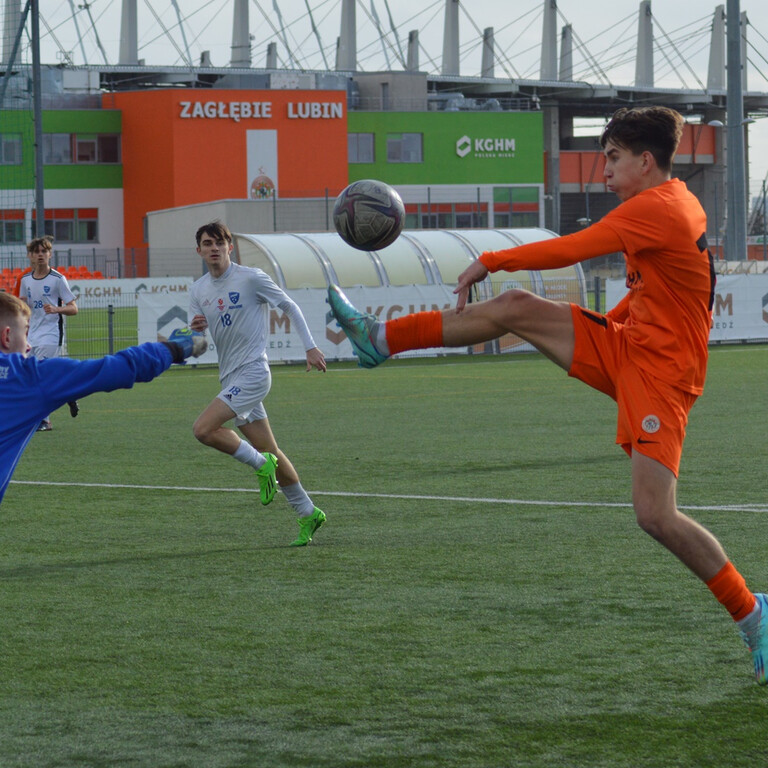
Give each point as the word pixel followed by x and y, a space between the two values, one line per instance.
pixel 9 275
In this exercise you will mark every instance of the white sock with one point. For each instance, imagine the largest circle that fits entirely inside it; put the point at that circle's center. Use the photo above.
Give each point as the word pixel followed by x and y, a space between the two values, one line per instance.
pixel 297 497
pixel 247 454
pixel 380 342
pixel 750 619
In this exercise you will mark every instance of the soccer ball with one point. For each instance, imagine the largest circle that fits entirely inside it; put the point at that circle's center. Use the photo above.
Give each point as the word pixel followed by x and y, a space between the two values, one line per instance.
pixel 369 215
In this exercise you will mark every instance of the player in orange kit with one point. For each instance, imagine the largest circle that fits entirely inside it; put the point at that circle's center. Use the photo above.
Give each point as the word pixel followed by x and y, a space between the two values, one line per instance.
pixel 649 353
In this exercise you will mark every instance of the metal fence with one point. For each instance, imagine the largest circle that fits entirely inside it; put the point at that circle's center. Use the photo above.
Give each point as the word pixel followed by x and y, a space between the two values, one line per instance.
pixel 103 328
pixel 111 262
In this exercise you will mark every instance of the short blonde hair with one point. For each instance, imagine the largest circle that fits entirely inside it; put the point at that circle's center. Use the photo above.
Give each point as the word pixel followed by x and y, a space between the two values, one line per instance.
pixel 12 306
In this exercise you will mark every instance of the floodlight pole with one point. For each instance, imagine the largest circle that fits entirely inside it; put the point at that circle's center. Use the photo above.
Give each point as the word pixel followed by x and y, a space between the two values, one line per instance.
pixel 736 221
pixel 765 225
pixel 717 222
pixel 37 99
pixel 14 51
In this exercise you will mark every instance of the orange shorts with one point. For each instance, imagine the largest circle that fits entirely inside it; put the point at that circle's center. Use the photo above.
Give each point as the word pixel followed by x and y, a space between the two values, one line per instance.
pixel 652 414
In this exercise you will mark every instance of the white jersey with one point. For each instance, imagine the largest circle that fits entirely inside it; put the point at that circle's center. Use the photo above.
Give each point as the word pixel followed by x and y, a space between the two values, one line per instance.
pixel 236 306
pixel 45 330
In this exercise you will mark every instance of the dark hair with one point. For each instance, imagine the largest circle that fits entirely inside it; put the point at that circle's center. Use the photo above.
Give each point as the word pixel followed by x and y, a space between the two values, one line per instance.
pixel 646 129
pixel 218 230
pixel 45 242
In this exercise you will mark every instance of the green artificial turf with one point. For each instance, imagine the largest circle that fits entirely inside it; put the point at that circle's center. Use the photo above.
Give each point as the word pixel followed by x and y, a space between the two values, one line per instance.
pixel 480 596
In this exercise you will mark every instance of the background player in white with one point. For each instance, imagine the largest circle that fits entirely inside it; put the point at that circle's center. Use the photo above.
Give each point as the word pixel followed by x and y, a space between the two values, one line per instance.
pixel 49 297
pixel 232 301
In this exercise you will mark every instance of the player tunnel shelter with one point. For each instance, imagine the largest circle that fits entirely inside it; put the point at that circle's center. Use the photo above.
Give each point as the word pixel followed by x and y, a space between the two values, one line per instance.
pixel 417 257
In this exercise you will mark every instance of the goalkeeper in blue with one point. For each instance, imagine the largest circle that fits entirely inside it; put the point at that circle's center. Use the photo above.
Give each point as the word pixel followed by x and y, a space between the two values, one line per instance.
pixel 30 388
pixel 232 302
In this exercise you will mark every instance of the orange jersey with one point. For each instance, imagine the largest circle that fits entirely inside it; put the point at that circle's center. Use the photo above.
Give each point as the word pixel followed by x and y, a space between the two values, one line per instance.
pixel 670 276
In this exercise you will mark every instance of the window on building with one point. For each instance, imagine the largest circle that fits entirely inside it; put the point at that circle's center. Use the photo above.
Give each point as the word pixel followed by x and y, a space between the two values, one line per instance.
pixel 61 230
pixel 471 220
pixel 11 226
pixel 10 149
pixel 57 148
pixel 87 229
pixel 72 225
pixel 515 207
pixel 405 148
pixel 360 147
pixel 85 148
pixel 447 215
pixel 109 148
pixel 435 220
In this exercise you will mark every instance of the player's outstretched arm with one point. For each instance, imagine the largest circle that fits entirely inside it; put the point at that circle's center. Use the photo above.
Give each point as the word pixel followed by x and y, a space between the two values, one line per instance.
pixel 63 379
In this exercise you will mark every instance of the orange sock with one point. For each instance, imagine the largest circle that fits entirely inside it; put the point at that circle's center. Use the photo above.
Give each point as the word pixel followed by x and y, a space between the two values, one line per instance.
pixel 417 331
pixel 729 587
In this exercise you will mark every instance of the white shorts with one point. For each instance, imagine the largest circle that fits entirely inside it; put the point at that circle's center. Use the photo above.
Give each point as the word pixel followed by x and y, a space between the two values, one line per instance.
pixel 46 351
pixel 244 390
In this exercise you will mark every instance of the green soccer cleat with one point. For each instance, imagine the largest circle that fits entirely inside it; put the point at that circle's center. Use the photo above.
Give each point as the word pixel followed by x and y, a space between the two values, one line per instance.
pixel 359 327
pixel 756 639
pixel 267 480
pixel 308 526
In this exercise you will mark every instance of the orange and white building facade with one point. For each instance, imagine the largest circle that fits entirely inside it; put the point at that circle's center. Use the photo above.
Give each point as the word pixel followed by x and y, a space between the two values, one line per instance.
pixel 187 146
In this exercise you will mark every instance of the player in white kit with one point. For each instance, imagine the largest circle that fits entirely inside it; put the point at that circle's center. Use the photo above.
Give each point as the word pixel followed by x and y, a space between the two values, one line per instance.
pixel 49 297
pixel 232 302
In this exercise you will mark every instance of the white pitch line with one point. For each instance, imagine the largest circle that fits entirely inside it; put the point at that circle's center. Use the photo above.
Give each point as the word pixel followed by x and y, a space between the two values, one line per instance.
pixel 405 496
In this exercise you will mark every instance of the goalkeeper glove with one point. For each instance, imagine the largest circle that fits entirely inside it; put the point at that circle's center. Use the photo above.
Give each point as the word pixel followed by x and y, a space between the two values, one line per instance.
pixel 184 343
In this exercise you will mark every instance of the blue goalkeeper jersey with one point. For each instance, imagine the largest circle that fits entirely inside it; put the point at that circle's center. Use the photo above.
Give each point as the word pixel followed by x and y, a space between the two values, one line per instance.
pixel 30 389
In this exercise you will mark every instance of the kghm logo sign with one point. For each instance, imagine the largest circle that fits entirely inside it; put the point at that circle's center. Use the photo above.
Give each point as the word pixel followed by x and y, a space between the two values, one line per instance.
pixel 485 148
pixel 463 146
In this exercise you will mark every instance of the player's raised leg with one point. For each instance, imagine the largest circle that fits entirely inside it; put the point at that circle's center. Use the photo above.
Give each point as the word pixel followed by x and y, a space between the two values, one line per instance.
pixel 548 325
pixel 364 331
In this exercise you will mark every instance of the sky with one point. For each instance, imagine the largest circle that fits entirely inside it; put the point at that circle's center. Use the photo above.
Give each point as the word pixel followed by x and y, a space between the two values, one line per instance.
pixel 306 30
